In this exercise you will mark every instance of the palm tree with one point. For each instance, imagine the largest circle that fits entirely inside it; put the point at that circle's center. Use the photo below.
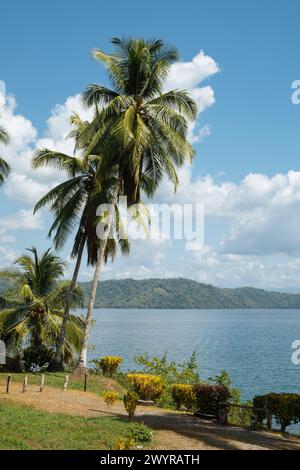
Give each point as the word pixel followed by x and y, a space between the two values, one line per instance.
pixel 147 125
pixel 34 307
pixel 4 167
pixel 74 203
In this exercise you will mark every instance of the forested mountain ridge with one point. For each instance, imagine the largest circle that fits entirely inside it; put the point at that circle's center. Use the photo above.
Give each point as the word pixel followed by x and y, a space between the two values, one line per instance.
pixel 185 293
pixel 181 293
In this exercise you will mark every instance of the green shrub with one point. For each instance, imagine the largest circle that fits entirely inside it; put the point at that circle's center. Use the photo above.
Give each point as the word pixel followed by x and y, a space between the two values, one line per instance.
pixel 148 387
pixel 284 406
pixel 140 433
pixel 171 372
pixel 208 397
pixel 108 365
pixel 184 395
pixel 130 402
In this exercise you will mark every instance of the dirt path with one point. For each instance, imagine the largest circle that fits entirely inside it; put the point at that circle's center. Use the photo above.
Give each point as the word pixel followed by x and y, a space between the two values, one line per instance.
pixel 172 430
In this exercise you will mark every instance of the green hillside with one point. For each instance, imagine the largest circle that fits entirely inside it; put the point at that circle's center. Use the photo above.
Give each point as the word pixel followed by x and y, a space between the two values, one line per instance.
pixel 181 293
pixel 185 293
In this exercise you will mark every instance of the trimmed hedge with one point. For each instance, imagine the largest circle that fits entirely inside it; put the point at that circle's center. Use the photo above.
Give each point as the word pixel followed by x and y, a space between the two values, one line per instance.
pixel 184 395
pixel 284 406
pixel 208 397
pixel 148 387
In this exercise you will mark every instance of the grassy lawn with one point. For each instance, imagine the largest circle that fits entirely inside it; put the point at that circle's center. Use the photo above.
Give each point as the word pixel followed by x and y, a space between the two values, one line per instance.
pixel 23 427
pixel 95 383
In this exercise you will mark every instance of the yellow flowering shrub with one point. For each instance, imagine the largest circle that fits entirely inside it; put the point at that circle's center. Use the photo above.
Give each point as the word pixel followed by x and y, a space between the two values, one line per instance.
pixel 124 444
pixel 148 387
pixel 130 402
pixel 109 365
pixel 110 397
pixel 184 395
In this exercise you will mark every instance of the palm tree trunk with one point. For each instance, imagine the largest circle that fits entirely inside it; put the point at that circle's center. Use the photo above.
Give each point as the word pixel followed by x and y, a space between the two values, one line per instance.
pixel 100 258
pixel 58 361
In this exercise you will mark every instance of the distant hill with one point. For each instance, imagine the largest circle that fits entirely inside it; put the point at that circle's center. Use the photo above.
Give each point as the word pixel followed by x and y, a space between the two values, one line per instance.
pixel 181 293
pixel 185 293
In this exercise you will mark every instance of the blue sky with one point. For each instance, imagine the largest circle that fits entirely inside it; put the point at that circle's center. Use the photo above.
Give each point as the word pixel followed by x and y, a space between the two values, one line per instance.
pixel 254 127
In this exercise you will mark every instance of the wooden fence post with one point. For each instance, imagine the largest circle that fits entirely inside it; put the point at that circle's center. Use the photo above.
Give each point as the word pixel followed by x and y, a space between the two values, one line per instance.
pixel 42 382
pixel 66 382
pixel 25 381
pixel 8 383
pixel 269 420
pixel 85 381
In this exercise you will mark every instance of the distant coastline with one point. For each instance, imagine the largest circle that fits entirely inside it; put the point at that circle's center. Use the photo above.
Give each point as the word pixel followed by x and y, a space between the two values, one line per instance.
pixel 184 293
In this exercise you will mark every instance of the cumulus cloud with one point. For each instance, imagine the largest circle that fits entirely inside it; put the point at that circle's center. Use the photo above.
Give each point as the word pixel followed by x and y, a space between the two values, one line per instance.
pixel 23 184
pixel 23 219
pixel 188 76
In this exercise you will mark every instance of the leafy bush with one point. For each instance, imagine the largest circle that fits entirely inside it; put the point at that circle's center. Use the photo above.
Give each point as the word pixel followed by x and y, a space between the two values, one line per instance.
pixel 284 406
pixel 148 387
pixel 110 397
pixel 184 395
pixel 141 433
pixel 185 372
pixel 171 372
pixel 108 365
pixel 130 402
pixel 236 416
pixel 208 397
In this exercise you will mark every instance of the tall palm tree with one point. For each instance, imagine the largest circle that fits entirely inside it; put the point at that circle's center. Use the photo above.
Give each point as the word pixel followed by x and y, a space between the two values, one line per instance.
pixel 147 125
pixel 34 306
pixel 4 167
pixel 73 204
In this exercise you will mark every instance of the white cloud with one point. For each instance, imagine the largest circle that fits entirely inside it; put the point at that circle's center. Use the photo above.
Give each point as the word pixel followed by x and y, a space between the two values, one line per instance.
pixel 23 219
pixel 7 256
pixel 6 238
pixel 24 184
pixel 188 76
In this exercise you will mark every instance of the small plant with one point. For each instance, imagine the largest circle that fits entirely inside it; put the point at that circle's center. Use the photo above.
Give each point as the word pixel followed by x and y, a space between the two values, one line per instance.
pixel 184 395
pixel 209 397
pixel 130 402
pixel 140 433
pixel 124 444
pixel 110 398
pixel 108 365
pixel 148 387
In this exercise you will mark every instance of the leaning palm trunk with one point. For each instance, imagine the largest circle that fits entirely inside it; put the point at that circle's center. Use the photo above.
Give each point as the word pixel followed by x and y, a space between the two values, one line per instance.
pixel 93 292
pixel 58 362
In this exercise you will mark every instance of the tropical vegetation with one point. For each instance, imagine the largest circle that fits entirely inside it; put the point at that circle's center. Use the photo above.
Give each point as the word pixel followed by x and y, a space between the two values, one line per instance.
pixel 32 310
pixel 73 204
pixel 146 125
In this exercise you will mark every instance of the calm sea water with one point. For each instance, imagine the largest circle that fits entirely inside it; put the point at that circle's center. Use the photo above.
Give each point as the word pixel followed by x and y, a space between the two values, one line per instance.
pixel 254 346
